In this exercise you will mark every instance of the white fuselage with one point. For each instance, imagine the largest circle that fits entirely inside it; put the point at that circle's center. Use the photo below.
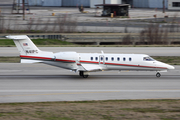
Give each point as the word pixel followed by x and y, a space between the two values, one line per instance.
pixel 99 62
pixel 86 62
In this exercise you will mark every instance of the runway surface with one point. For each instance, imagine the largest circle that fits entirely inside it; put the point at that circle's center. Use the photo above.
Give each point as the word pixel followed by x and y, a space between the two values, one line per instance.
pixel 152 51
pixel 39 82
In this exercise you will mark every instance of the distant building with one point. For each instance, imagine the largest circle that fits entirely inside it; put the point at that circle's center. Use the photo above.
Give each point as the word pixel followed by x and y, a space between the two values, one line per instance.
pixel 133 3
pixel 149 3
pixel 95 2
pixel 173 4
pixel 170 4
pixel 116 9
pixel 64 3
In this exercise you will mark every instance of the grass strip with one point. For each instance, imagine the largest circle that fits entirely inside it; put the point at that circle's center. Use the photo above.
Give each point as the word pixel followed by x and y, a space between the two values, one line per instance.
pixel 45 42
pixel 166 109
pixel 60 43
pixel 10 59
pixel 172 60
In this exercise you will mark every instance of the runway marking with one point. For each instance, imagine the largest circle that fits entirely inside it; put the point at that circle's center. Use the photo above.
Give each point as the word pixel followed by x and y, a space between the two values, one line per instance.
pixel 78 92
pixel 55 94
pixel 165 90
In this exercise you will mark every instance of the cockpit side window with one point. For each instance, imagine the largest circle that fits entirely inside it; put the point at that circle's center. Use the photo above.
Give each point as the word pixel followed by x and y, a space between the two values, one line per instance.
pixel 148 59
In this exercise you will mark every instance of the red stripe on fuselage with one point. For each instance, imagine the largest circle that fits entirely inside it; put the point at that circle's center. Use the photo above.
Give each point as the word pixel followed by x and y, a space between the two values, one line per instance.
pixel 35 57
pixel 45 58
pixel 135 65
pixel 62 60
pixel 117 64
pixel 91 62
pixel 82 61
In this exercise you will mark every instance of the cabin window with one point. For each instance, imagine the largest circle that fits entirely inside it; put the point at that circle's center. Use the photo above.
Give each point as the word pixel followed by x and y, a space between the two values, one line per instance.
pixel 130 59
pixel 106 58
pixel 124 59
pixel 148 59
pixel 118 59
pixel 96 58
pixel 101 58
pixel 91 58
pixel 112 58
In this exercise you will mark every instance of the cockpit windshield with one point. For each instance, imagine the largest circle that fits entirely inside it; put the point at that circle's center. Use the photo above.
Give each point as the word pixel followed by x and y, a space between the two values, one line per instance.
pixel 148 59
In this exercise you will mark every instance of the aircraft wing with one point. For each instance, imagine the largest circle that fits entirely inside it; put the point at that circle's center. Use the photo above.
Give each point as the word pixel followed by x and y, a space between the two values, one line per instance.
pixel 90 68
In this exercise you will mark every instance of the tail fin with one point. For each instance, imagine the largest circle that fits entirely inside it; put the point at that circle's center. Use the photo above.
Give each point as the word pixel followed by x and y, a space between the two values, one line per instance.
pixel 27 48
pixel 24 45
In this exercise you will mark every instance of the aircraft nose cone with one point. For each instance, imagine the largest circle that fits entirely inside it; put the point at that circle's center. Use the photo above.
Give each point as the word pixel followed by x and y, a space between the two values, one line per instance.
pixel 170 67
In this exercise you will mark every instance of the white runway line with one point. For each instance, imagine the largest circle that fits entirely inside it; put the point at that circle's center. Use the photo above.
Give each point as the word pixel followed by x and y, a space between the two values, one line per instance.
pixel 163 90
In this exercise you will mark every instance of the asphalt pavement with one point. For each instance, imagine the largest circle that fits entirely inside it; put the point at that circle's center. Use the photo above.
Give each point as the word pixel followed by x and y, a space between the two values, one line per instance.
pixel 39 82
pixel 152 51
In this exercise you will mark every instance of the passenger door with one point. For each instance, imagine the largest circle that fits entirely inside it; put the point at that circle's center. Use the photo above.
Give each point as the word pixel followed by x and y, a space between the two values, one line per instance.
pixel 101 59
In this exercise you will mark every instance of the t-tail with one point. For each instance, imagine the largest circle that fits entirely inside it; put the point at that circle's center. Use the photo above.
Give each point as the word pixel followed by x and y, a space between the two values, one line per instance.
pixel 29 52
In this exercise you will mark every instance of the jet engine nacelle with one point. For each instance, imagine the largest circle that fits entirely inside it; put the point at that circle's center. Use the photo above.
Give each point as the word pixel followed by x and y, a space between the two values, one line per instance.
pixel 67 60
pixel 67 56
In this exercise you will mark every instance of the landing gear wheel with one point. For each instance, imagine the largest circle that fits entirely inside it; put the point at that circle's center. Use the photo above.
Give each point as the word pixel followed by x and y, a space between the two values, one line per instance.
pixel 85 76
pixel 158 75
pixel 81 73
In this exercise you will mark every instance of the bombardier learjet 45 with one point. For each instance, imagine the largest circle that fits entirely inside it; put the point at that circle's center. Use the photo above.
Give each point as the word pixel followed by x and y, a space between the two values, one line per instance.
pixel 87 62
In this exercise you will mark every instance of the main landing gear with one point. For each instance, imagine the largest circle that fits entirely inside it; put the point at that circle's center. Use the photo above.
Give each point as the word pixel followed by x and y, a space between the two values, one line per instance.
pixel 158 74
pixel 83 74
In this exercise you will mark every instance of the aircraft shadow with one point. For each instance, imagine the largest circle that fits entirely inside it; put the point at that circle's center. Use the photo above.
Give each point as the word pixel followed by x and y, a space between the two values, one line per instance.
pixel 91 77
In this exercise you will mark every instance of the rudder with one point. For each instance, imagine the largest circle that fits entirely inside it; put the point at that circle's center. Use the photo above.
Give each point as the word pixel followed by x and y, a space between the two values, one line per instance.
pixel 29 52
pixel 24 45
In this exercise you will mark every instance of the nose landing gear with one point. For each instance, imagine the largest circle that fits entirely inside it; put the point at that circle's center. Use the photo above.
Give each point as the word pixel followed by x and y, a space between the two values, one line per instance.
pixel 158 74
pixel 83 74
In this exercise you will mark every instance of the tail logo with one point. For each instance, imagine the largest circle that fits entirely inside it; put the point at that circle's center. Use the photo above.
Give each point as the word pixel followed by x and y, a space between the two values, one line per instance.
pixel 25 44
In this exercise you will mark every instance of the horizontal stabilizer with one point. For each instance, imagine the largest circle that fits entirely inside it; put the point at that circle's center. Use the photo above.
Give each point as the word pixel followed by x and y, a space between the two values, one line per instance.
pixel 17 37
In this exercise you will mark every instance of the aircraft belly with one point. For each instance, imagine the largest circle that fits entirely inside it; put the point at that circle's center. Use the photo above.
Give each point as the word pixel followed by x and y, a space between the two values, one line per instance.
pixel 135 67
pixel 88 67
pixel 71 66
pixel 144 69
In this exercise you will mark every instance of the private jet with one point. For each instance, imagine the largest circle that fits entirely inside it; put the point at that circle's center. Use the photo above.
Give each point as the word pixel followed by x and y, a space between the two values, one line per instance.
pixel 84 63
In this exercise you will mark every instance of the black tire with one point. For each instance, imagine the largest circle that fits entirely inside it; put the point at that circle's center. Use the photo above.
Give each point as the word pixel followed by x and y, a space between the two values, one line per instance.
pixel 158 75
pixel 81 73
pixel 85 76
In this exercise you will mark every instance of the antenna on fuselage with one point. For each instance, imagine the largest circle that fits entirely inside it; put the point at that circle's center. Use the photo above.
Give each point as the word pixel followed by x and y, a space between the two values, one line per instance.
pixel 102 52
